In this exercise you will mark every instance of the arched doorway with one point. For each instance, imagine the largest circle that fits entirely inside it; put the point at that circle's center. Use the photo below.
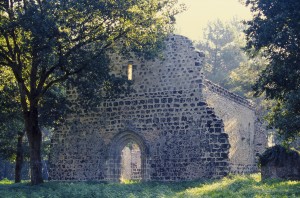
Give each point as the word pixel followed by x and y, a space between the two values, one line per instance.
pixel 128 158
pixel 131 162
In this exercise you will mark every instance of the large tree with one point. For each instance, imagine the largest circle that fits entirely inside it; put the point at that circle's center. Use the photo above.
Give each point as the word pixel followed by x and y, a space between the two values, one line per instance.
pixel 13 145
pixel 274 30
pixel 48 42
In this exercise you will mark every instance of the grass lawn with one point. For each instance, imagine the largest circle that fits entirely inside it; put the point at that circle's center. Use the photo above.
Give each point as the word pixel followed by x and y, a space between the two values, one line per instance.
pixel 231 186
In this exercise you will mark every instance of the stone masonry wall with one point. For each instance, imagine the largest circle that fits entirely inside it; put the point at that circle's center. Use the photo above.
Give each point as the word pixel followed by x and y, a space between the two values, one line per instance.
pixel 179 135
pixel 246 135
pixel 169 115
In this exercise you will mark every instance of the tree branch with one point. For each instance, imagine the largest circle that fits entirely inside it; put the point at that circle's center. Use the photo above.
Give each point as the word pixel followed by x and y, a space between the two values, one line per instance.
pixel 4 64
pixel 5 56
pixel 22 90
pixel 45 74
pixel 9 47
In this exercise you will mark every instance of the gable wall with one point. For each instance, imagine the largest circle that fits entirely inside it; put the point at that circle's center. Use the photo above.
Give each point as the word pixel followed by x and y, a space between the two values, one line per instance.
pixel 181 136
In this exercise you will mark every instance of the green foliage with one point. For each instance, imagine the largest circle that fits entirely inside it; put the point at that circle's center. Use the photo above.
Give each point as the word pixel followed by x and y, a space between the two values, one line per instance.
pixel 275 31
pixel 243 78
pixel 51 45
pixel 231 186
pixel 55 41
pixel 228 65
pixel 11 120
pixel 222 43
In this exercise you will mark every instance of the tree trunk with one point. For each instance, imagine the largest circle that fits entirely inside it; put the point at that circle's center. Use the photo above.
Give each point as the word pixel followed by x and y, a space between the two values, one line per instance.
pixel 35 140
pixel 19 158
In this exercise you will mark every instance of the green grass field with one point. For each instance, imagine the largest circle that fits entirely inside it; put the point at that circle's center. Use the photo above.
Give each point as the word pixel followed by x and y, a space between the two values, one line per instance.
pixel 231 186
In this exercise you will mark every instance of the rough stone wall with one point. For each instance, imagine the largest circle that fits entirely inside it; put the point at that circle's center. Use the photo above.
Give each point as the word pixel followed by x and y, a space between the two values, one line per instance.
pixel 260 139
pixel 247 136
pixel 179 135
pixel 136 164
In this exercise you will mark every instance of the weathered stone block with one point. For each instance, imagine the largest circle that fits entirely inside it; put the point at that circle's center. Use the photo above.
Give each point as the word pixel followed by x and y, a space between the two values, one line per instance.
pixel 279 162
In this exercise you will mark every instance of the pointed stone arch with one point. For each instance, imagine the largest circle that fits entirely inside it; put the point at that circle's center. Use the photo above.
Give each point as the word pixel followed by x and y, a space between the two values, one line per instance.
pixel 114 161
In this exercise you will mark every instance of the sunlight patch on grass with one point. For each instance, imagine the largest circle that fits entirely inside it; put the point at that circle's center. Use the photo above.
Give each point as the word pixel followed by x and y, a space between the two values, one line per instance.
pixel 128 181
pixel 207 188
pixel 256 177
pixel 6 181
pixel 291 183
pixel 232 185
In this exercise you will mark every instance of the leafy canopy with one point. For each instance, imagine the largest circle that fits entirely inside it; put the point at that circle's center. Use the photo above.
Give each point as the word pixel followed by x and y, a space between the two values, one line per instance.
pixel 11 121
pixel 226 62
pixel 45 42
pixel 50 45
pixel 222 49
pixel 275 31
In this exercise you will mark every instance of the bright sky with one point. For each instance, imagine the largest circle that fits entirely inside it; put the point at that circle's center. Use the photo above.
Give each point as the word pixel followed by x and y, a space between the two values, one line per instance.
pixel 199 12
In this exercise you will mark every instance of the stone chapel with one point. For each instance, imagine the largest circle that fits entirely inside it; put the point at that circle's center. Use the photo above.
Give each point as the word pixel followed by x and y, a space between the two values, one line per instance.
pixel 174 126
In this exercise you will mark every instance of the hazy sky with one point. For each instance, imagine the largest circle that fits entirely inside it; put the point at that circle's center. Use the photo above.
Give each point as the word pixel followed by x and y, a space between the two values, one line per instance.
pixel 199 12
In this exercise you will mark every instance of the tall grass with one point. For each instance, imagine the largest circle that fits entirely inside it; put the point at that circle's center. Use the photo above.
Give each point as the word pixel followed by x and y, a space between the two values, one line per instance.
pixel 231 186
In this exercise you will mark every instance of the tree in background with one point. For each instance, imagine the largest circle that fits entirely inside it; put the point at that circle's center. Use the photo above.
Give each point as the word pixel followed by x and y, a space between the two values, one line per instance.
pixel 12 145
pixel 11 123
pixel 228 65
pixel 222 43
pixel 274 31
pixel 243 78
pixel 51 44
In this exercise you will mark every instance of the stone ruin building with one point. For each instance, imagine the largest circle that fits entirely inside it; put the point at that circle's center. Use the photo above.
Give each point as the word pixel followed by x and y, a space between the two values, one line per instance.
pixel 175 126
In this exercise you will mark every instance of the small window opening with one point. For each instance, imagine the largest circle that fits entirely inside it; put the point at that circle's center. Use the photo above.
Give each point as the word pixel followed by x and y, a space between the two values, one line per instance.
pixel 129 71
pixel 131 162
